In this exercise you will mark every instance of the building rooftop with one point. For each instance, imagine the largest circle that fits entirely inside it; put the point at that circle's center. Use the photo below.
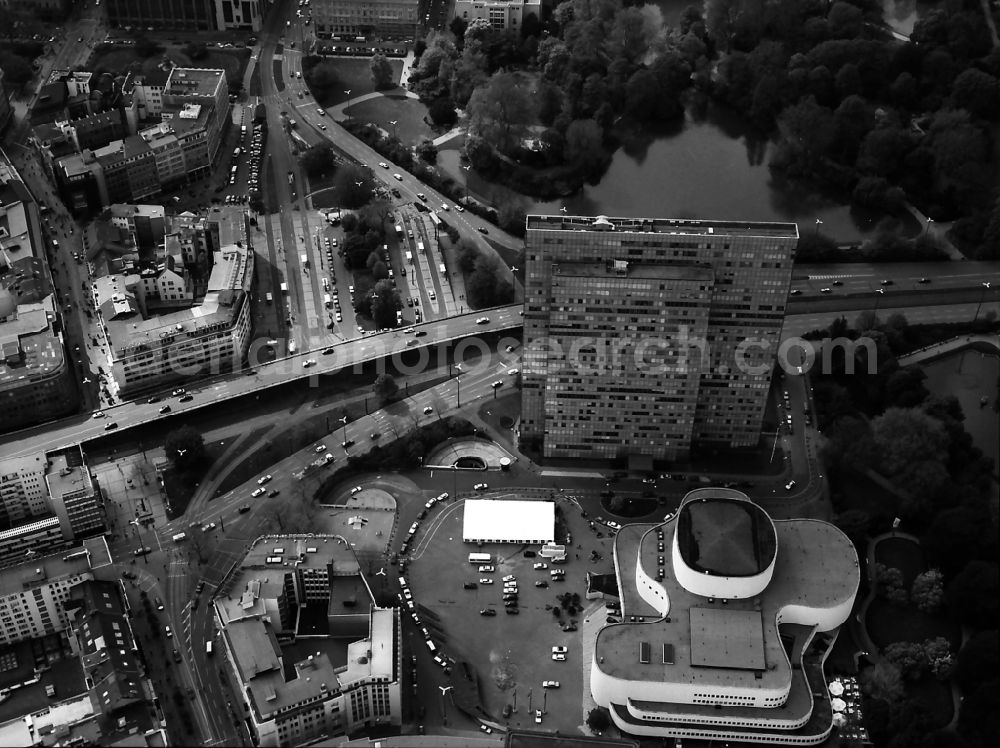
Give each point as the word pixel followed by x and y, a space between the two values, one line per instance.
pixel 37 571
pixel 254 646
pixel 271 692
pixel 29 345
pixel 735 643
pixel 661 226
pixel 135 210
pixel 67 475
pixel 725 538
pixel 196 81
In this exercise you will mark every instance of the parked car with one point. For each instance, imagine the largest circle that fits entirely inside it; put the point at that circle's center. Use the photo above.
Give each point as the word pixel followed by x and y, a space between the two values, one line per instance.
pixel 487 612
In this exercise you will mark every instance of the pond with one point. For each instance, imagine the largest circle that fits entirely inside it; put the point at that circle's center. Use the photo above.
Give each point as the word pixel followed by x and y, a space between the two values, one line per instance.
pixel 711 166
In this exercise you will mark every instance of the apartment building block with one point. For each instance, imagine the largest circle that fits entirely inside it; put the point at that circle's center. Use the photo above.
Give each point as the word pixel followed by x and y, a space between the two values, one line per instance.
pixel 381 18
pixel 502 14
pixel 33 593
pixel 646 336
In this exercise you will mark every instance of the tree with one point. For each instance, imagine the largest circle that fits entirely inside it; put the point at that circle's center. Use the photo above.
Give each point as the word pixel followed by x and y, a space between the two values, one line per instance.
pixel 598 719
pixel 927 591
pixel 442 112
pixel 185 448
pixel 889 583
pixel 978 92
pixel 884 682
pixel 385 387
pixel 807 132
pixel 978 660
pixel 380 271
pixel 979 718
pixel 196 50
pixel 940 661
pixel 973 594
pixel 501 111
pixel 353 186
pixel 385 303
pixel 146 47
pixel 427 151
pixel 322 77
pixel 16 70
pixel 911 445
pixel 318 159
pixel 909 657
pixel 584 146
pixel 382 74
pixel 845 20
pixel 488 285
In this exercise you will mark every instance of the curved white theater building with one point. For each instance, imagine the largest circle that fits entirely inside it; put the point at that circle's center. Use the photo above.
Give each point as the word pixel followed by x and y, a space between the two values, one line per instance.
pixel 723 610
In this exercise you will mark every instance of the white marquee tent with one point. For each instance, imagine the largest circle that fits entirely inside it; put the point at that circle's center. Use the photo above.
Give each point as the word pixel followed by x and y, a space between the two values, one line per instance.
pixel 492 521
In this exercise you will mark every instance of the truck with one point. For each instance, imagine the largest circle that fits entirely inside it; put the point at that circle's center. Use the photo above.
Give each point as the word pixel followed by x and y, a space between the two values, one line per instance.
pixel 180 537
pixel 284 288
pixel 304 258
pixel 327 301
pixel 322 461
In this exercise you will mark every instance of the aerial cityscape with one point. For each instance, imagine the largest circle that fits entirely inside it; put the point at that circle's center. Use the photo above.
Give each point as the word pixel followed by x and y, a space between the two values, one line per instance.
pixel 516 373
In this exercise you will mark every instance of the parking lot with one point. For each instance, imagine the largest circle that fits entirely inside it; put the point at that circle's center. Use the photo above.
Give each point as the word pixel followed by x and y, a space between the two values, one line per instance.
pixel 512 654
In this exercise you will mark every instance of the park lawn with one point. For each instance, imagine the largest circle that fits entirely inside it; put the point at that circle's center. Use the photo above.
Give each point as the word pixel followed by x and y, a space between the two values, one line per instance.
pixel 408 114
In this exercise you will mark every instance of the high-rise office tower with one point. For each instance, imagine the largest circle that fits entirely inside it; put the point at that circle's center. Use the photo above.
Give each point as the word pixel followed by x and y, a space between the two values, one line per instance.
pixel 643 336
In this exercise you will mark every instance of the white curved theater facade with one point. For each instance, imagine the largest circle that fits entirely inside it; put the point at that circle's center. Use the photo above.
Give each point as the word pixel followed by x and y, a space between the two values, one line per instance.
pixel 723 610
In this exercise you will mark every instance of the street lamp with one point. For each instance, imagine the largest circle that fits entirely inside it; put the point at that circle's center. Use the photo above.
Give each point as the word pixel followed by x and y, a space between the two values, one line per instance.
pixel 347 108
pixel 880 292
pixel 927 225
pixel 458 385
pixel 344 433
pixel 394 122
pixel 986 287
pixel 467 168
pixel 818 224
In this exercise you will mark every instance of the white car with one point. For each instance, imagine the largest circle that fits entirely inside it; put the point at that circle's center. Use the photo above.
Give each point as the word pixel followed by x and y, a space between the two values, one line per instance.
pixel 540 565
pixel 320 448
pixel 263 480
pixel 169 632
pixel 486 569
pixel 459 208
pixel 428 410
pixel 398 177
pixel 510 578
pixel 383 164
pixel 558 657
pixel 444 206
pixel 614 525
pixel 538 716
pixel 98 414
pixel 480 486
pixel 559 650
pixel 209 527
pixel 550 684
pixel 497 383
pixel 308 363
pixel 483 321
pixel 356 489
pixel 486 580
pixel 513 372
pixel 258 492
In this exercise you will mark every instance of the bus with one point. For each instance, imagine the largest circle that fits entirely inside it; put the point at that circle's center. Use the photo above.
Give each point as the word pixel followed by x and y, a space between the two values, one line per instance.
pixel 208 648
pixel 435 220
pixel 480 558
pixel 409 257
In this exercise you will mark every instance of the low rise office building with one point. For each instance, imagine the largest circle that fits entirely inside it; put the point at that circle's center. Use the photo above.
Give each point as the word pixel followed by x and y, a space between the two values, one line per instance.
pixel 259 606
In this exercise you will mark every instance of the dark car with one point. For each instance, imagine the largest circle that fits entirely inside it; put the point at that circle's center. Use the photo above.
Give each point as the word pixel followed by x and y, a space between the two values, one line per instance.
pixel 510 604
pixel 512 611
pixel 110 426
pixel 244 509
pixel 529 554
pixel 199 588
pixel 187 398
pixel 482 230
pixel 153 399
pixel 273 492
pixel 541 583
pixel 470 585
pixel 348 443
pixel 487 612
pixel 419 333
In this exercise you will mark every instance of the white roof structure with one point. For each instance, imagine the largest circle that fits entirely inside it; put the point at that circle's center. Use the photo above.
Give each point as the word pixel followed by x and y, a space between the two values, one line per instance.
pixel 490 521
